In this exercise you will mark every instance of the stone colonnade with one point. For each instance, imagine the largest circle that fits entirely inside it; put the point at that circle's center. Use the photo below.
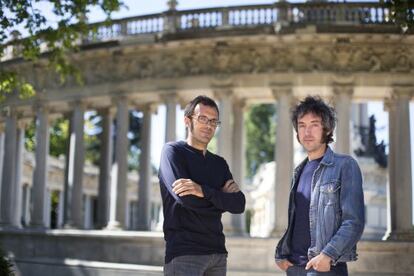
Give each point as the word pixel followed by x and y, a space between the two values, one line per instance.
pixel 112 197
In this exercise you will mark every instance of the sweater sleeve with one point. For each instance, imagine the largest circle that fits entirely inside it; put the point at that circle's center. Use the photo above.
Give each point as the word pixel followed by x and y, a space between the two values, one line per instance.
pixel 228 202
pixel 172 167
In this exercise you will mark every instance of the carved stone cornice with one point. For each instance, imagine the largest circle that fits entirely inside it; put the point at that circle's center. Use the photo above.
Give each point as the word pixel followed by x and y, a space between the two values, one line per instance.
pixel 232 56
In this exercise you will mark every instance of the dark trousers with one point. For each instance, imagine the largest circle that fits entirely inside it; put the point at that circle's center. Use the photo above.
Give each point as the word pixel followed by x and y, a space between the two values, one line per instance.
pixel 340 269
pixel 197 265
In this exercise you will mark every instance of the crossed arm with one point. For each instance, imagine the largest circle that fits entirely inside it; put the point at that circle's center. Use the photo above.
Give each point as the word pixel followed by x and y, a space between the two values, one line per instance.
pixel 193 195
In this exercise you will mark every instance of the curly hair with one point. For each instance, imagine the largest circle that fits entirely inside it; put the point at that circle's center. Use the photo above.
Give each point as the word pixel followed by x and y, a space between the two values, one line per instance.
pixel 316 106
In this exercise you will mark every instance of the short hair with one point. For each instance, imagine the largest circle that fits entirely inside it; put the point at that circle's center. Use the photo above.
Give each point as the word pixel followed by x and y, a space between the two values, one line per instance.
pixel 316 106
pixel 204 100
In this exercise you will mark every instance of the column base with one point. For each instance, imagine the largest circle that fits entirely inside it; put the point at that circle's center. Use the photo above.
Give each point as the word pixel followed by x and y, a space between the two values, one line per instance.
pixel 71 225
pixel 235 233
pixel 143 227
pixel 37 227
pixel 113 225
pixel 277 232
pixel 9 227
pixel 399 235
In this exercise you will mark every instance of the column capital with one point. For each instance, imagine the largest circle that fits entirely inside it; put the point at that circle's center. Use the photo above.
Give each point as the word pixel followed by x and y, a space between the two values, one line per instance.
pixel 23 123
pixel 41 106
pixel 240 103
pixel 389 104
pixel 9 111
pixel 121 98
pixel 54 116
pixel 281 89
pixel 78 103
pixel 402 91
pixel 343 88
pixel 221 92
pixel 170 96
pixel 151 107
pixel 109 110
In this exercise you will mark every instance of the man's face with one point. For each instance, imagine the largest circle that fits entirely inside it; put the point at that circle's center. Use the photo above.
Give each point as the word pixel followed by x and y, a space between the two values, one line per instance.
pixel 310 132
pixel 202 133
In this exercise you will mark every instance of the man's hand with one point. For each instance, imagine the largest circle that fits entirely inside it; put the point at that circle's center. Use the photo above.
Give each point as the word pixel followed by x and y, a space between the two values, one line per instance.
pixel 284 264
pixel 183 187
pixel 230 187
pixel 321 263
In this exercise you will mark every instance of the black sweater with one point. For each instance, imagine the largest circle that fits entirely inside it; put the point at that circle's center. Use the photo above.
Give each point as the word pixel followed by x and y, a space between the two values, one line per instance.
pixel 192 225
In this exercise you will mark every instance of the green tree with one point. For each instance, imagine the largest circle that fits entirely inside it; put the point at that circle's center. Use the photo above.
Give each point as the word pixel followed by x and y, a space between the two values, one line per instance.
pixel 6 268
pixel 401 12
pixel 59 133
pixel 61 37
pixel 260 132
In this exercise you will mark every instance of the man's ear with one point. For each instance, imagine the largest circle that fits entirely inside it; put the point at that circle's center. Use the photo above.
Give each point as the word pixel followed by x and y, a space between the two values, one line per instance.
pixel 187 121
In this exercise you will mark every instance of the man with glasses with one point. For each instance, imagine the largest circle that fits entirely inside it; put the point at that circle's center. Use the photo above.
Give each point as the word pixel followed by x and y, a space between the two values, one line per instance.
pixel 196 188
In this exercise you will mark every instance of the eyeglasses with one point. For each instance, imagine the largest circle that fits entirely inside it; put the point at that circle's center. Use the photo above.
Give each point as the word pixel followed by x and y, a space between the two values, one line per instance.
pixel 205 120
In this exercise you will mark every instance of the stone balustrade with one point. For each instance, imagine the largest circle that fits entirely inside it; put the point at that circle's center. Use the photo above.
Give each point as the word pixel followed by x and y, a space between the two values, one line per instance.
pixel 243 18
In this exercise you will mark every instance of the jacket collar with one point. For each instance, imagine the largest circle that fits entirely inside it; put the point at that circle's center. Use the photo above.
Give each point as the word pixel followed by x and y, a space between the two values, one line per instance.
pixel 327 159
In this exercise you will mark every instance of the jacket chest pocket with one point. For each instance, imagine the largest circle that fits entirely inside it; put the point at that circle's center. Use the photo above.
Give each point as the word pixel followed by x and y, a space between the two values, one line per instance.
pixel 329 193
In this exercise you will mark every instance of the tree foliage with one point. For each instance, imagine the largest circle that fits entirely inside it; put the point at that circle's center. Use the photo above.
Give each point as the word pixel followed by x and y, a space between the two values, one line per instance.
pixel 60 37
pixel 59 133
pixel 6 268
pixel 401 12
pixel 260 133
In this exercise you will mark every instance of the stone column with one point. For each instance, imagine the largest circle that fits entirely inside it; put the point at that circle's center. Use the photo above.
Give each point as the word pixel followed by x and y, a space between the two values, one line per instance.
pixel 170 120
pixel 105 166
pixel 283 157
pixel 9 171
pixel 225 142
pixel 26 205
pixel 47 208
pixel 145 173
pixel 41 167
pixel 225 132
pixel 75 163
pixel 2 136
pixel 60 209
pixel 87 218
pixel 399 189
pixel 239 154
pixel 17 188
pixel 343 97
pixel 118 201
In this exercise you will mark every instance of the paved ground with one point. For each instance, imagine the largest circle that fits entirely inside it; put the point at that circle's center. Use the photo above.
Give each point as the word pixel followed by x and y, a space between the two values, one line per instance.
pixel 71 267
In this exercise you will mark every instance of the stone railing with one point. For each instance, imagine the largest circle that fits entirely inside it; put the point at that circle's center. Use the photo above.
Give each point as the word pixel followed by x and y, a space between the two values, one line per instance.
pixel 276 16
pixel 224 18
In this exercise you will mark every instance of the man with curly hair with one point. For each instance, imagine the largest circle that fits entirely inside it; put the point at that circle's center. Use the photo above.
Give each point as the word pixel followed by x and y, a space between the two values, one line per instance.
pixel 326 204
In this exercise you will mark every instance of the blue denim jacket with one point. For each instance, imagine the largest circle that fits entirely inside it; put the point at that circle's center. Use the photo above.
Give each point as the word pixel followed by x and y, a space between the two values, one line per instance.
pixel 336 211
